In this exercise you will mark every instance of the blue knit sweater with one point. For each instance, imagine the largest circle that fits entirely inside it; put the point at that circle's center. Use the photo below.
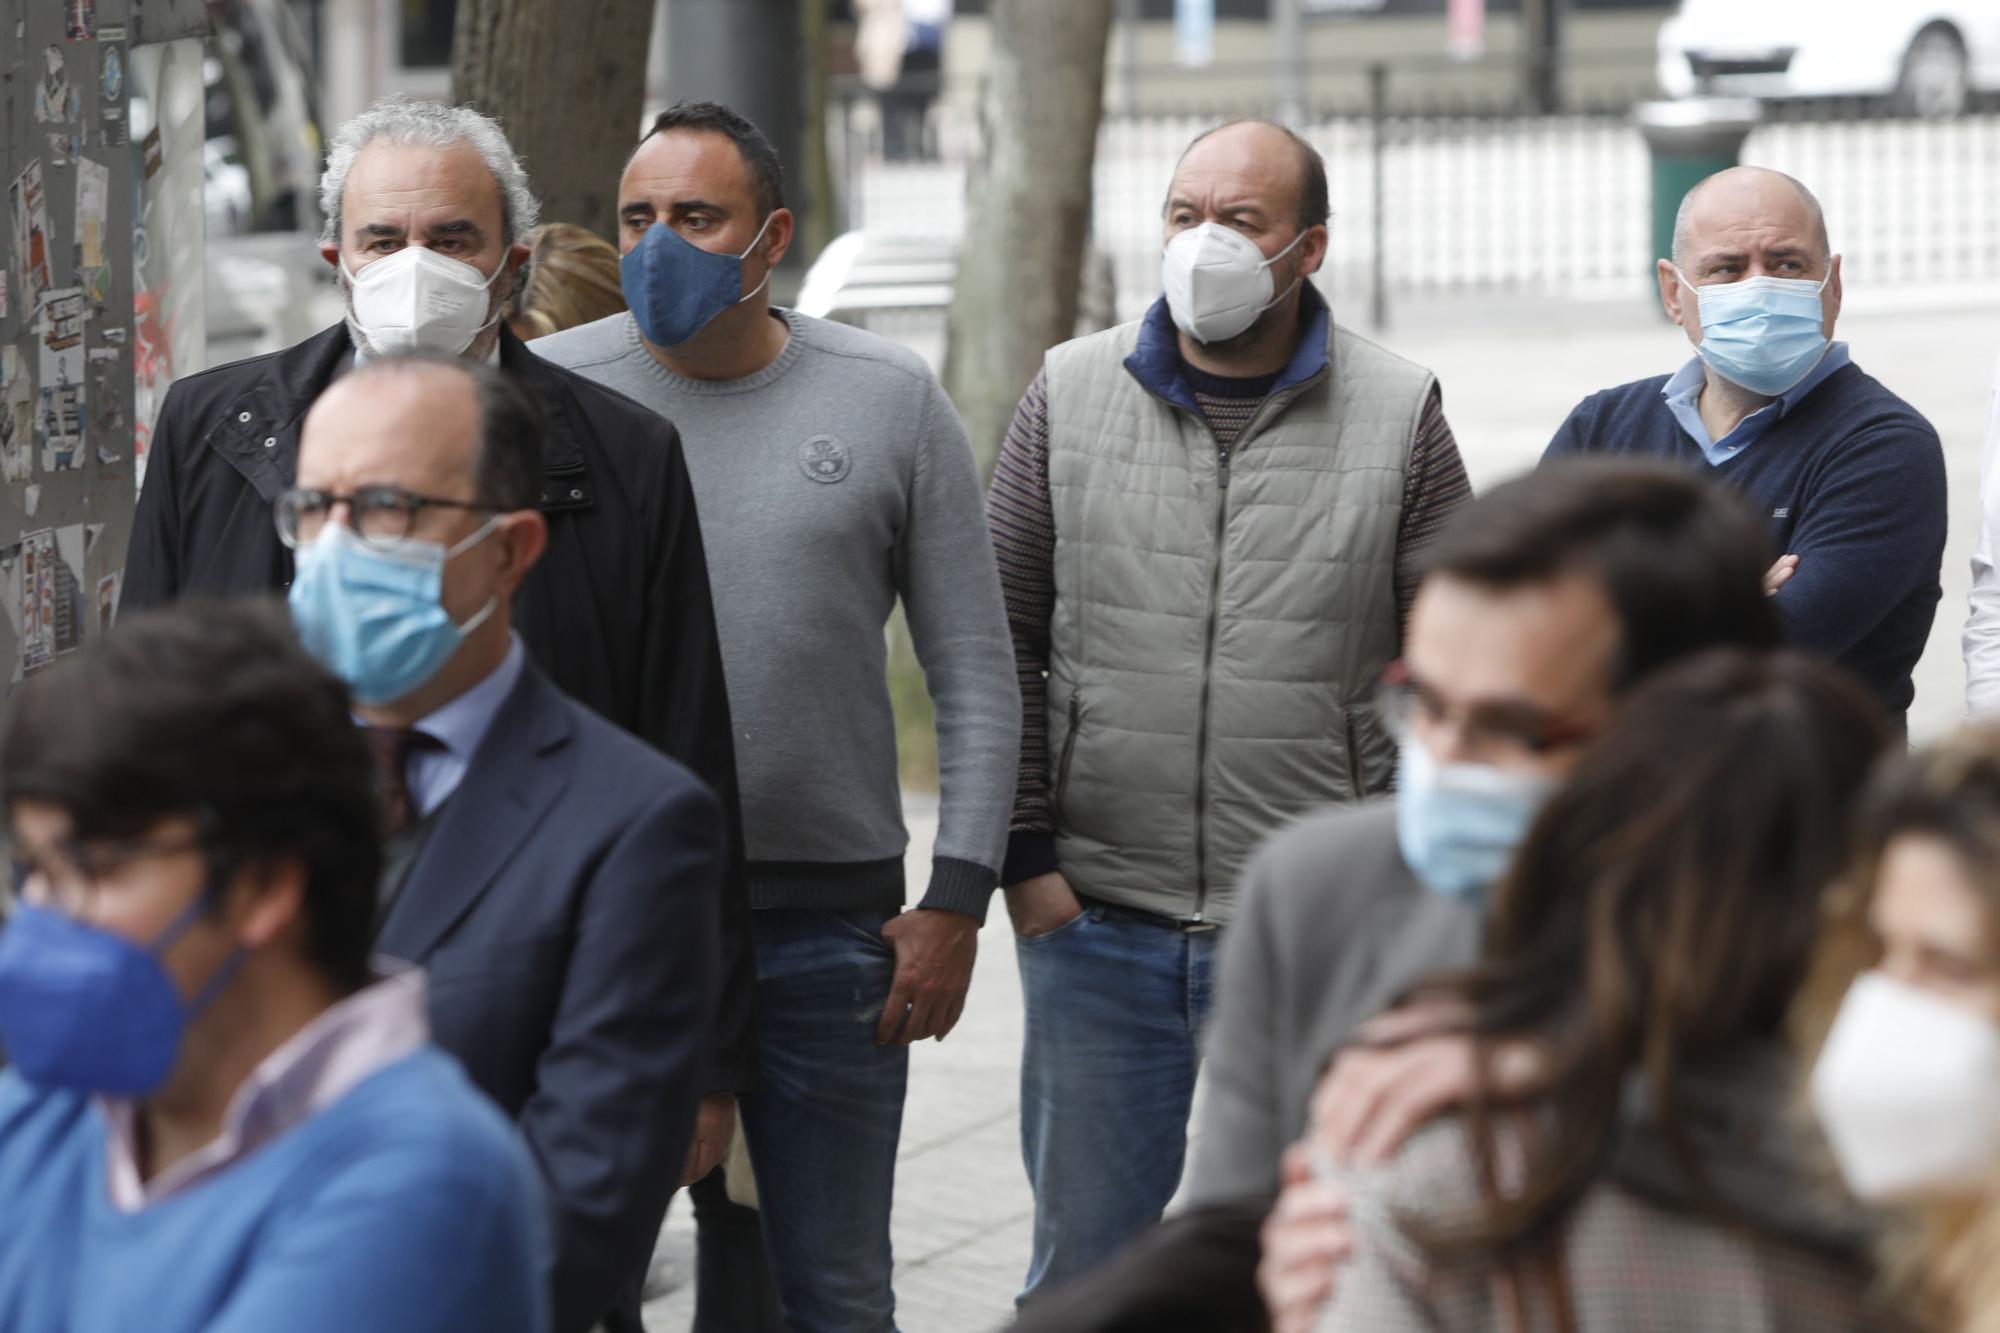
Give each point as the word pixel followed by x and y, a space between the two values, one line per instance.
pixel 408 1206
pixel 1851 481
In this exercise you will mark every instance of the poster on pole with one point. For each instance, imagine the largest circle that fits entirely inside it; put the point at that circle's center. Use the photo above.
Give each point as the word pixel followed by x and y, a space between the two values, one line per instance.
pixel 31 233
pixel 62 370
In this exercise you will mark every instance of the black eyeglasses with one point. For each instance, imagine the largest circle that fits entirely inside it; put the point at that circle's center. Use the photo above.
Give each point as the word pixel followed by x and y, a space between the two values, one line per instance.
pixel 66 875
pixel 1404 702
pixel 382 515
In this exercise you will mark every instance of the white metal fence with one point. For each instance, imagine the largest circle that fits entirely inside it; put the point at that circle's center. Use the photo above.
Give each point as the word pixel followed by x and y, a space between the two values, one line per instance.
pixel 1486 198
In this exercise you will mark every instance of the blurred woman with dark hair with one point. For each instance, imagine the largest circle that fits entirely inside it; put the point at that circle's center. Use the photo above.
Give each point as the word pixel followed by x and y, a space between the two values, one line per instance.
pixel 1902 1011
pixel 1647 942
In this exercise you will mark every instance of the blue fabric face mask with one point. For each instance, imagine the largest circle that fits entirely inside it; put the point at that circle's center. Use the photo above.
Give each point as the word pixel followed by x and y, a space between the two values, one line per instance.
pixel 1458 825
pixel 674 287
pixel 370 611
pixel 1765 334
pixel 87 1010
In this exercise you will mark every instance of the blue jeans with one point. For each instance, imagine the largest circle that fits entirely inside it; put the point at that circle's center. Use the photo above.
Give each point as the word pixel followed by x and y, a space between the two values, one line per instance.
pixel 826 1117
pixel 1115 1006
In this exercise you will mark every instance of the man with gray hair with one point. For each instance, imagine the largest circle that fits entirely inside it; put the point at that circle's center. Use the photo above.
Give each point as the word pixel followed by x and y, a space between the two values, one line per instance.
pixel 427 212
pixel 1849 476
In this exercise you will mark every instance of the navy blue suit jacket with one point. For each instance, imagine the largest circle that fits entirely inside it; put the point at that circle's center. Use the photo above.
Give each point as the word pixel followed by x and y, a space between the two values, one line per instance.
pixel 565 909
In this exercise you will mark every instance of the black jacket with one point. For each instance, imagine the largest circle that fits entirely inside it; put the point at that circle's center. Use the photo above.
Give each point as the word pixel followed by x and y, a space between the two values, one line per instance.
pixel 564 912
pixel 617 613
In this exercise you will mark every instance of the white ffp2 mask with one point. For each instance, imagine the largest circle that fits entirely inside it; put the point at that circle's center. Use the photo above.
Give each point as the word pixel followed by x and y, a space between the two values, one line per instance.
pixel 416 300
pixel 1217 281
pixel 1908 1090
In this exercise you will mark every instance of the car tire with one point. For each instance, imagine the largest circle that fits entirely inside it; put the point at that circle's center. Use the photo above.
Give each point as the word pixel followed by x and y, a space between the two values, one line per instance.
pixel 1937 77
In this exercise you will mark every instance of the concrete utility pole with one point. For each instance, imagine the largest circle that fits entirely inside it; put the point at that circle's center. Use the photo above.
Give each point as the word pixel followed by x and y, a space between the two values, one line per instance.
pixel 1541 54
pixel 1288 50
pixel 745 54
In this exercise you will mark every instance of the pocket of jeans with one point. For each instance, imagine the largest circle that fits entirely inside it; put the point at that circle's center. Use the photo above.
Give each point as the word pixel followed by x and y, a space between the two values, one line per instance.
pixel 1065 928
pixel 871 935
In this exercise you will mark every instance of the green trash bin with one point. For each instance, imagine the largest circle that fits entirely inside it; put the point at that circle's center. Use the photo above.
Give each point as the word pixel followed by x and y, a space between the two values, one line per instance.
pixel 1688 141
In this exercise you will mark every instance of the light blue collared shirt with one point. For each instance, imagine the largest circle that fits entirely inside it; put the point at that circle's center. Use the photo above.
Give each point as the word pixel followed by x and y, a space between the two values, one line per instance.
pixel 433 773
pixel 1683 396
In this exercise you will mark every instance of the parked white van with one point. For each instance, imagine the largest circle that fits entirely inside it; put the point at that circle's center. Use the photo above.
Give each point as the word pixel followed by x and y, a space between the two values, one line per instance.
pixel 1931 56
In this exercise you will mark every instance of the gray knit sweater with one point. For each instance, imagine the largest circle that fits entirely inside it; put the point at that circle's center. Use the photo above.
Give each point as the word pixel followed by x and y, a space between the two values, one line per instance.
pixel 829 483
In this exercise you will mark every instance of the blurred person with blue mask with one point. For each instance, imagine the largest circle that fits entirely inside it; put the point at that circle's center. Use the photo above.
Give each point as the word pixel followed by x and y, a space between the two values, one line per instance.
pixel 1848 476
pixel 835 480
pixel 220 1117
pixel 1541 604
pixel 556 878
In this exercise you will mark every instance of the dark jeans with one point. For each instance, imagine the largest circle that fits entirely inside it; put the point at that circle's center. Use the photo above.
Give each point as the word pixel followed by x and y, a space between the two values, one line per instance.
pixel 1115 1007
pixel 827 1115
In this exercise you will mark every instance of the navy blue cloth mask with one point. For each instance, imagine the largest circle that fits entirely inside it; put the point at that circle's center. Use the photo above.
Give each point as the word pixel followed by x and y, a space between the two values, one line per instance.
pixel 86 1010
pixel 674 287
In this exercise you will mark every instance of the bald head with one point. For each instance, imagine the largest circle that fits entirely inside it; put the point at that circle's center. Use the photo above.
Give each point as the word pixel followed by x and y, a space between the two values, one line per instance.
pixel 431 425
pixel 1260 159
pixel 1731 207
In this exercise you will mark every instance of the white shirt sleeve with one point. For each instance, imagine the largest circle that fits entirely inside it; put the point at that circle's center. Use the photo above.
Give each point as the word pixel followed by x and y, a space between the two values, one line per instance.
pixel 1982 625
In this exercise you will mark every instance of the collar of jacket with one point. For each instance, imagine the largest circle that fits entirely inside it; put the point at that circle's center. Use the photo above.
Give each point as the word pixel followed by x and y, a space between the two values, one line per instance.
pixel 1156 361
pixel 258 432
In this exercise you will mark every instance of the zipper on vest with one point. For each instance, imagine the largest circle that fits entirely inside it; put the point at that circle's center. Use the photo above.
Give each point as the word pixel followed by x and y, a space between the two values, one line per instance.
pixel 1353 754
pixel 1207 688
pixel 1068 753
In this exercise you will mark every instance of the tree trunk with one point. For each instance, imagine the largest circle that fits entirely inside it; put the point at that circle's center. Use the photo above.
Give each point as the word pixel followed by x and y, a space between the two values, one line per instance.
pixel 817 223
pixel 568 81
pixel 1027 207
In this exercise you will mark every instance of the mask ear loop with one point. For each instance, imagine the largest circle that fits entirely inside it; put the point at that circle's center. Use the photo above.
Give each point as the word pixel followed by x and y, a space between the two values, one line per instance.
pixel 755 241
pixel 481 616
pixel 1294 285
pixel 219 870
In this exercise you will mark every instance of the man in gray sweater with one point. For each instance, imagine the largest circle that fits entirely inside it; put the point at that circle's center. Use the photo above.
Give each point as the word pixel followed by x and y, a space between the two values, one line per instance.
pixel 834 477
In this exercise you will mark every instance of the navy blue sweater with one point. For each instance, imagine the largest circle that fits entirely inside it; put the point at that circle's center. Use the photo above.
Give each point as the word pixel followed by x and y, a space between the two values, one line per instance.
pixel 1852 482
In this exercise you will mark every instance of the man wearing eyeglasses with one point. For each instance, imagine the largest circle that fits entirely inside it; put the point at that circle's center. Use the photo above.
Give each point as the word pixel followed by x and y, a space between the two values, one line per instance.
pixel 220 1115
pixel 555 878
pixel 427 212
pixel 1540 605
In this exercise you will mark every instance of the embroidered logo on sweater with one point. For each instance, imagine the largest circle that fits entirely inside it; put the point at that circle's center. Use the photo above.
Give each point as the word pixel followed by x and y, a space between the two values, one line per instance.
pixel 825 459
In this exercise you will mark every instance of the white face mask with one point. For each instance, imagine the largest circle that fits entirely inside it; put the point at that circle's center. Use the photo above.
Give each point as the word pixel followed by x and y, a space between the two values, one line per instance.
pixel 416 300
pixel 1908 1090
pixel 1217 281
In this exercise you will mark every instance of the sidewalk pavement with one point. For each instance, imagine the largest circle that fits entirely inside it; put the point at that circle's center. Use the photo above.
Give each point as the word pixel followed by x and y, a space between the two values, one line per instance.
pixel 1511 369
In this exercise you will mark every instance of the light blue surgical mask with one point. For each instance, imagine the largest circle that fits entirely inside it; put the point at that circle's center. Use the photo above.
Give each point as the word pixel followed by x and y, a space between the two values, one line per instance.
pixel 370 611
pixel 1765 334
pixel 674 287
pixel 1459 825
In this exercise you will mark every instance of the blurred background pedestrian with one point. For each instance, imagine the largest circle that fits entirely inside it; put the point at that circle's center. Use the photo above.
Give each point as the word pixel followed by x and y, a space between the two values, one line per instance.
pixel 571 278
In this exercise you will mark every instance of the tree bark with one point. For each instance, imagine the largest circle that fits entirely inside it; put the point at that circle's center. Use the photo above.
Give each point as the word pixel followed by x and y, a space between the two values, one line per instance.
pixel 817 220
pixel 568 82
pixel 1027 207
